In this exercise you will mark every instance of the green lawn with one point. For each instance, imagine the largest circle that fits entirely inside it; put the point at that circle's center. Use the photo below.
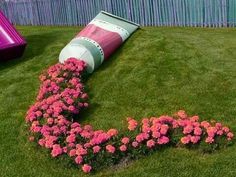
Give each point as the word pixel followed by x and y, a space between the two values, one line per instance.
pixel 157 71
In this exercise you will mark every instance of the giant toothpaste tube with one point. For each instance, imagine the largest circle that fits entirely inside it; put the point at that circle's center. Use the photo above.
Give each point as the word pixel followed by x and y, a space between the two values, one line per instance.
pixel 98 40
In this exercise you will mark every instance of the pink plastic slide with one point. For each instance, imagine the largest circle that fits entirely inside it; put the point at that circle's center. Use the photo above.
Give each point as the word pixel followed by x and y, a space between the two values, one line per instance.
pixel 12 44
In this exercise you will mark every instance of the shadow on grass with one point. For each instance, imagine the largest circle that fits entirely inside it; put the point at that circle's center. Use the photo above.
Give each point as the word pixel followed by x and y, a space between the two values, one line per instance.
pixel 36 44
pixel 111 62
pixel 93 106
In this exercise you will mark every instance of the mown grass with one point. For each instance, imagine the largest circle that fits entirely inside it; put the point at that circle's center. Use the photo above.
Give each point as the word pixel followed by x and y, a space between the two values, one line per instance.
pixel 157 71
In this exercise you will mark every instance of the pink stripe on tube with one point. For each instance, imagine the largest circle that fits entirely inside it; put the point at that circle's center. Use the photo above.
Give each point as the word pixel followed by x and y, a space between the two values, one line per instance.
pixel 108 40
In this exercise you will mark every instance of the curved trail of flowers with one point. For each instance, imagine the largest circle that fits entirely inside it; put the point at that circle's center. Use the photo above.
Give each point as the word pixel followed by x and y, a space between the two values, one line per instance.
pixel 61 98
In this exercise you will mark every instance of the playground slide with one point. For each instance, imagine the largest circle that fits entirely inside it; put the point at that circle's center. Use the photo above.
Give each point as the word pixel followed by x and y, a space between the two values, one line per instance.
pixel 98 40
pixel 12 44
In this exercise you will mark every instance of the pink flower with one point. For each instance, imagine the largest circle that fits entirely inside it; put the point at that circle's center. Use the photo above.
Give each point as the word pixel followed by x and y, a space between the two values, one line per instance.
pixel 185 140
pixel 182 114
pixel 69 101
pixel 85 105
pixel 35 129
pixel 141 137
pixel 49 142
pixel 75 124
pixel 150 143
pixel 99 138
pixel 71 138
pixel 38 113
pixel 225 129
pixel 195 139
pixel 64 149
pixel 96 149
pixel 78 159
pixel 88 127
pixel 56 150
pixel 211 131
pixel 230 135
pixel 175 124
pixel 45 115
pixel 41 142
pixel 156 134
pixel 112 132
pixel 205 124
pixel 196 124
pixel 72 153
pixel 145 121
pixel 84 96
pixel 145 128
pixel 218 125
pixel 188 129
pixel 197 131
pixel 86 134
pixel 156 125
pixel 125 140
pixel 194 118
pixel 135 144
pixel 71 108
pixel 132 124
pixel 50 121
pixel 163 140
pixel 78 146
pixel 81 151
pixel 209 140
pixel 164 129
pixel 123 148
pixel 220 132
pixel 87 145
pixel 86 168
pixel 71 145
pixel 110 148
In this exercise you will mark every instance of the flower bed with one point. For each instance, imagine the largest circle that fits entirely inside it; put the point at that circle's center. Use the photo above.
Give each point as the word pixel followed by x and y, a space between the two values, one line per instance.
pixel 61 98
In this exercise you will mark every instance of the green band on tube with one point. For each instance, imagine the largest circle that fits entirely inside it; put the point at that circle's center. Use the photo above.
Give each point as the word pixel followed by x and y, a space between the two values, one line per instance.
pixel 92 49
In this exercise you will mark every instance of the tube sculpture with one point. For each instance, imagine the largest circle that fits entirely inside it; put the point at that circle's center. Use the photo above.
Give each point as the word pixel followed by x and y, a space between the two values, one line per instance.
pixel 98 40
